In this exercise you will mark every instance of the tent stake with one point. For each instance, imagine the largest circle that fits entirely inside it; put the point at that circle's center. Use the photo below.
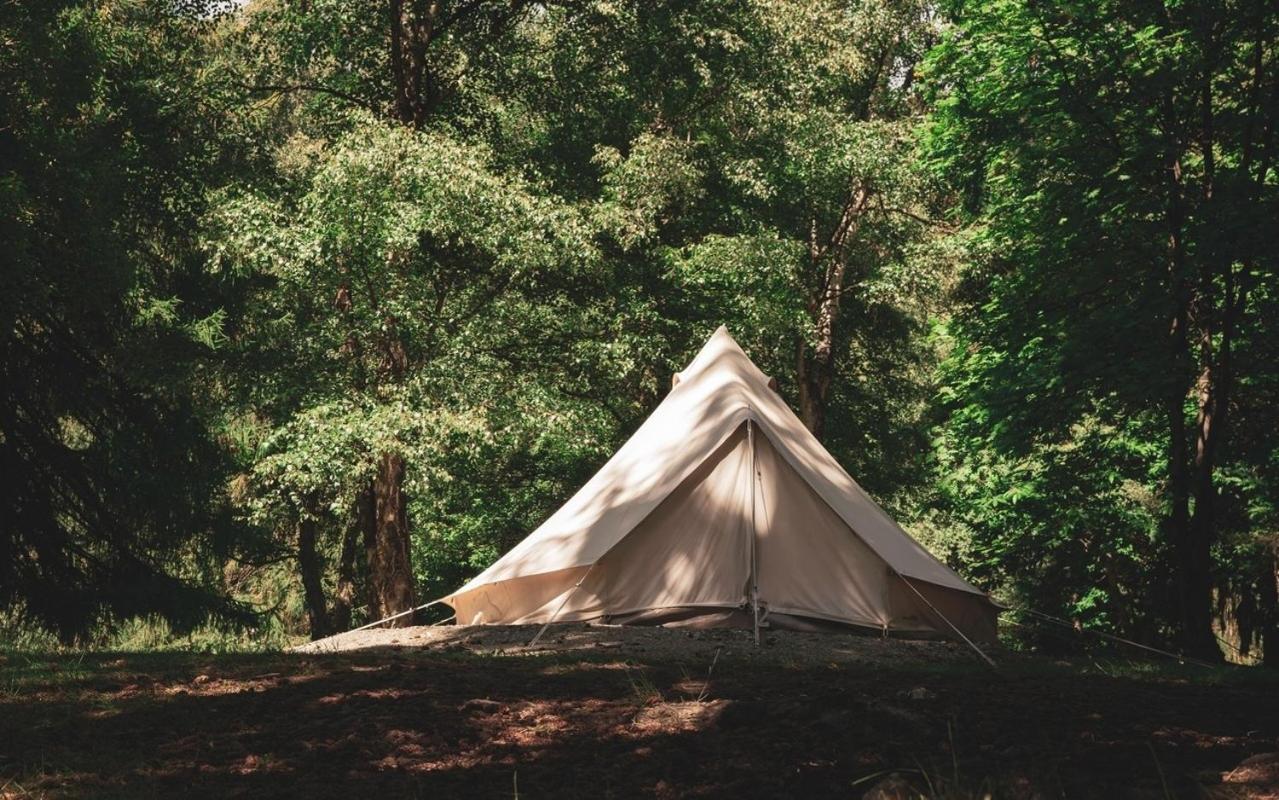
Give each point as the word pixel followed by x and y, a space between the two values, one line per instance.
pixel 957 631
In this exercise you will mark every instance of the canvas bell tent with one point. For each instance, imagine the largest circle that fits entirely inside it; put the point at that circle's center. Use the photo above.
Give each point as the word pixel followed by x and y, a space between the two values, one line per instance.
pixel 723 509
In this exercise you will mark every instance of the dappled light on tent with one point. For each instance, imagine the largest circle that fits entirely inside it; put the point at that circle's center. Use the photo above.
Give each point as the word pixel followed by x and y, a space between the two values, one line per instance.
pixel 666 532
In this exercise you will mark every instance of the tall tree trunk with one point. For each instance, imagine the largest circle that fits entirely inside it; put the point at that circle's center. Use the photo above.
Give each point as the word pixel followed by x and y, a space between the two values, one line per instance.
pixel 390 568
pixel 366 522
pixel 1198 637
pixel 813 375
pixel 1214 319
pixel 1268 606
pixel 344 597
pixel 412 30
pixel 312 569
pixel 1194 600
pixel 1213 391
pixel 815 366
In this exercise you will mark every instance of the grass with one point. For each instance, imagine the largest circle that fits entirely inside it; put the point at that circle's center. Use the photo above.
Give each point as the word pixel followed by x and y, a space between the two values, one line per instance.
pixel 643 688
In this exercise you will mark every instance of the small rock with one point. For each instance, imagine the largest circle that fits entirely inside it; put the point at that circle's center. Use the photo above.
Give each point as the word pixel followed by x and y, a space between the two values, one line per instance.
pixel 920 693
pixel 199 679
pixel 481 706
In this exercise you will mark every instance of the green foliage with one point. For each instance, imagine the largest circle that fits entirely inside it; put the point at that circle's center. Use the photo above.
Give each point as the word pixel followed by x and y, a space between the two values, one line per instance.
pixel 1102 152
pixel 389 293
pixel 112 499
pixel 299 261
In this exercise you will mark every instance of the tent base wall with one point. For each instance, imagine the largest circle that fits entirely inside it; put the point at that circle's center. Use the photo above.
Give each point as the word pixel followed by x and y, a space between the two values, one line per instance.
pixel 976 617
pixel 743 619
pixel 703 618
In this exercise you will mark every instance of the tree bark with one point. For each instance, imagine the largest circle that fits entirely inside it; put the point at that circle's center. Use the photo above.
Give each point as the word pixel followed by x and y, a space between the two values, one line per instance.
pixel 344 597
pixel 390 566
pixel 366 522
pixel 815 366
pixel 312 570
pixel 1213 391
pixel 1198 637
pixel 1193 576
pixel 411 36
pixel 1268 606
pixel 813 378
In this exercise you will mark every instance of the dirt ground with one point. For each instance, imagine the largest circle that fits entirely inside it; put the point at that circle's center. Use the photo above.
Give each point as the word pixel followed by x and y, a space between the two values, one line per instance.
pixel 630 712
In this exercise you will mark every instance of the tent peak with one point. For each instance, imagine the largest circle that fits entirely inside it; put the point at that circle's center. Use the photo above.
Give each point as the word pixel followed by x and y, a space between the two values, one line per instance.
pixel 719 348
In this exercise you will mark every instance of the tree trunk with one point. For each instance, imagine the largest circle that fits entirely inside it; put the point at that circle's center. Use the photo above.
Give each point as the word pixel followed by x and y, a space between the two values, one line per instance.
pixel 312 570
pixel 366 522
pixel 1193 582
pixel 813 377
pixel 1214 388
pixel 344 598
pixel 1268 607
pixel 1198 637
pixel 390 568
pixel 411 35
pixel 815 370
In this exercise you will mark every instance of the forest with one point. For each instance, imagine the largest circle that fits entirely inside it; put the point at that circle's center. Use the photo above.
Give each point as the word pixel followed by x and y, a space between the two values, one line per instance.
pixel 314 313
pixel 311 309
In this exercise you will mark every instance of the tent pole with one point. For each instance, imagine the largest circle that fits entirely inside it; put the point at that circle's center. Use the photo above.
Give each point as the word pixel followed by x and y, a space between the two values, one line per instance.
pixel 957 631
pixel 560 608
pixel 750 436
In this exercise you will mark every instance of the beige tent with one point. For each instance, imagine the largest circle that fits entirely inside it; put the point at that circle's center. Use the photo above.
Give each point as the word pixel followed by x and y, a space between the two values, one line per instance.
pixel 673 530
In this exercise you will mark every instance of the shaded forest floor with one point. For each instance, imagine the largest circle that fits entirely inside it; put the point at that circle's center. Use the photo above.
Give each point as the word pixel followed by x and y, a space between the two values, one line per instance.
pixel 630 713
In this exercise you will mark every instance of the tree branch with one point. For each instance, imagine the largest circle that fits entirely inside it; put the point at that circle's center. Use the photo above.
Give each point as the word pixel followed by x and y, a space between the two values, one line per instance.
pixel 310 87
pixel 934 223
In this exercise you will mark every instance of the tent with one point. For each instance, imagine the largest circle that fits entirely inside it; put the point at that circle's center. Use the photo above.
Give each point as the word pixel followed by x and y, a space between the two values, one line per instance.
pixel 723 509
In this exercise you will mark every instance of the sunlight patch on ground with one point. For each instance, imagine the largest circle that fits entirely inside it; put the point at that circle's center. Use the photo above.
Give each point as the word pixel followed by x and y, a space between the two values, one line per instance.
pixel 1256 778
pixel 678 717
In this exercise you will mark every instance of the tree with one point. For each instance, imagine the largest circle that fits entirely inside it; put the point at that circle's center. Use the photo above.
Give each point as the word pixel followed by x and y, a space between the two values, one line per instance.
pixel 112 500
pixel 408 66
pixel 1117 158
pixel 751 163
pixel 405 259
